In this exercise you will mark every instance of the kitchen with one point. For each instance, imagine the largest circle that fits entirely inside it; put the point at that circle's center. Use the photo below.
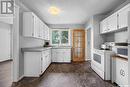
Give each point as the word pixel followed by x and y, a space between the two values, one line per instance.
pixel 98 47
pixel 113 65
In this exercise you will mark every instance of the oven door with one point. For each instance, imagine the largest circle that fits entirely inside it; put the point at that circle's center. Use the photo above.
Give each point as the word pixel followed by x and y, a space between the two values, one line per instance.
pixel 98 60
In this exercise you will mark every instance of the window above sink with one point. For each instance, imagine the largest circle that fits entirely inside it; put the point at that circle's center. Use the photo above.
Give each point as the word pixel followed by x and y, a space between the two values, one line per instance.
pixel 60 37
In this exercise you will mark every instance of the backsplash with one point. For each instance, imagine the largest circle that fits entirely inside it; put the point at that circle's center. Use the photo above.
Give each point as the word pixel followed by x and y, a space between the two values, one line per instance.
pixel 32 42
pixel 117 37
pixel 121 36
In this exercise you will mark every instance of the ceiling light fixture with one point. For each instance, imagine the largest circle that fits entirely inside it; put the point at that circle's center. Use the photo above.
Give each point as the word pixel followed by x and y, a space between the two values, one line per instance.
pixel 54 10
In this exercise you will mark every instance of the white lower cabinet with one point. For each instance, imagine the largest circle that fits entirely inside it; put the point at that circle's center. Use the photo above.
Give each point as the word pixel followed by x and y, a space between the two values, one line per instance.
pixel 61 55
pixel 35 63
pixel 122 72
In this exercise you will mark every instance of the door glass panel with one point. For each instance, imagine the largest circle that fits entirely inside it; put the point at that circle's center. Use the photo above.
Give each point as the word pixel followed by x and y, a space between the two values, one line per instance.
pixel 97 58
pixel 78 34
pixel 75 52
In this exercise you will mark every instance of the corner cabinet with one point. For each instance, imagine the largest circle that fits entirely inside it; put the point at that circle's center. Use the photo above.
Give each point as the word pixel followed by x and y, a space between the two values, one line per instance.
pixel 123 16
pixel 112 22
pixel 34 27
pixel 109 24
pixel 61 55
pixel 116 21
pixel 35 63
pixel 120 71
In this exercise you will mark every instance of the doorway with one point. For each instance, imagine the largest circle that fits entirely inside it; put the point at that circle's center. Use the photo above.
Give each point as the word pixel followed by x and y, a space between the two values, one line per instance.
pixel 5 55
pixel 78 48
pixel 89 44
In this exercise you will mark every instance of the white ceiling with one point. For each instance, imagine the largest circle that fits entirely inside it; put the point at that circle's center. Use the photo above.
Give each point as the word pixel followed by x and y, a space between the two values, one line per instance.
pixel 72 11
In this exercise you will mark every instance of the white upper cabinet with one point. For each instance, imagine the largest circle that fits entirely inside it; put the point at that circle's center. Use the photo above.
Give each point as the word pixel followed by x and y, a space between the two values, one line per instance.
pixel 28 25
pixel 115 21
pixel 34 27
pixel 103 26
pixel 123 16
pixel 112 22
pixel 47 32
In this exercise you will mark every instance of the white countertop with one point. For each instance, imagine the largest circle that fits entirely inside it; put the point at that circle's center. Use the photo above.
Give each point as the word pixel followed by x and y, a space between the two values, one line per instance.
pixel 35 49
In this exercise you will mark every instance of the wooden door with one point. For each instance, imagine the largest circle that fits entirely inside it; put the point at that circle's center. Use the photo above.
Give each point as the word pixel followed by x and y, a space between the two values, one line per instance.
pixel 78 45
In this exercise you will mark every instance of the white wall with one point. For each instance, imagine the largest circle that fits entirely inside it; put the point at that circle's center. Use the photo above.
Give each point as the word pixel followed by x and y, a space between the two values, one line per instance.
pixel 67 26
pixel 5 42
pixel 96 38
pixel 89 25
pixel 121 36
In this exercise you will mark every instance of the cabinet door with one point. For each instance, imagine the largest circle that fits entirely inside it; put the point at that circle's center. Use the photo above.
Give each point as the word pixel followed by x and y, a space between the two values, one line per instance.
pixel 36 27
pixel 60 55
pixel 54 55
pixel 66 55
pixel 57 55
pixel 121 72
pixel 41 30
pixel 112 22
pixel 43 61
pixel 48 33
pixel 28 24
pixel 32 64
pixel 123 16
pixel 103 26
pixel 49 56
pixel 45 32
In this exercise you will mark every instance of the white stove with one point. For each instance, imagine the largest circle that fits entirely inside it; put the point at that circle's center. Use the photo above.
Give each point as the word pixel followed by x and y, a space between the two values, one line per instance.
pixel 101 63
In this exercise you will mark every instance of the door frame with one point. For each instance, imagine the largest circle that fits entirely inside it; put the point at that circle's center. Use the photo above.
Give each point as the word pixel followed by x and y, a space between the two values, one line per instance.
pixel 92 40
pixel 87 44
pixel 15 46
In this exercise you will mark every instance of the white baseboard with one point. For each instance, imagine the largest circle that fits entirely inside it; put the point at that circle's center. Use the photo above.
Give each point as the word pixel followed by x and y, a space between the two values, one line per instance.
pixel 20 78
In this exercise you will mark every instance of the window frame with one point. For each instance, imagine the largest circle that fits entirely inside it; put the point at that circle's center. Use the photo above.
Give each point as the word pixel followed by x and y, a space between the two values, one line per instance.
pixel 60 44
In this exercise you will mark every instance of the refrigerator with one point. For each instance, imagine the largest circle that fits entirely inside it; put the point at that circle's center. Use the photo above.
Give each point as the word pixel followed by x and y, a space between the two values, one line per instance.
pixel 129 48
